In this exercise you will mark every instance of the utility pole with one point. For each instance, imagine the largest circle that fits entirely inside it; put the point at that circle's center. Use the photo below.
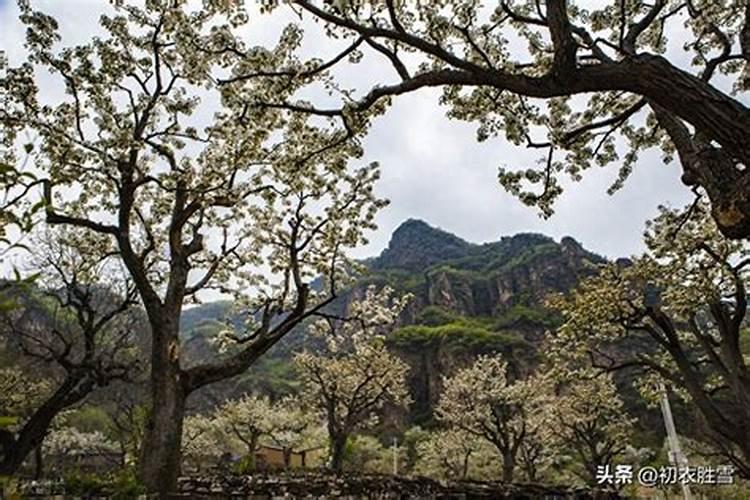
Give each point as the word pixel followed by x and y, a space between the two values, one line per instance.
pixel 676 457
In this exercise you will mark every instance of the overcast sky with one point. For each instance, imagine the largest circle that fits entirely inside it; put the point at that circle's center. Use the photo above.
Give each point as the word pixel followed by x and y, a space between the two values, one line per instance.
pixel 433 168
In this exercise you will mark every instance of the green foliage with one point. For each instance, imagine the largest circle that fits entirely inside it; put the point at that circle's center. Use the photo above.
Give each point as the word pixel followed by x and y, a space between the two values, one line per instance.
pixel 89 419
pixel 9 488
pixel 272 374
pixel 85 484
pixel 525 258
pixel 204 319
pixel 368 454
pixel 126 485
pixel 462 332
pixel 12 290
pixel 411 439
pixel 121 485
pixel 402 281
pixel 205 330
pixel 461 275
pixel 246 465
pixel 7 421
pixel 436 316
pixel 16 210
pixel 350 449
pixel 520 313
pixel 745 340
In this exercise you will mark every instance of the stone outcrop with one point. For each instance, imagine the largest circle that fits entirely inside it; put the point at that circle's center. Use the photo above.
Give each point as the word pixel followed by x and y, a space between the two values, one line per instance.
pixel 415 245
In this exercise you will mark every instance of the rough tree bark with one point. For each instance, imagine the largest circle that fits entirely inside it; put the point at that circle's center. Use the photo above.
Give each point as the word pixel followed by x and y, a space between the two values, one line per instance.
pixel 338 449
pixel 160 457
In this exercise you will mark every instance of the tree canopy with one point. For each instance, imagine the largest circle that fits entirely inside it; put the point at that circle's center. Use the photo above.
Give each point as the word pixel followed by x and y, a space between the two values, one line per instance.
pixel 676 314
pixel 586 83
pixel 355 376
pixel 189 197
pixel 481 401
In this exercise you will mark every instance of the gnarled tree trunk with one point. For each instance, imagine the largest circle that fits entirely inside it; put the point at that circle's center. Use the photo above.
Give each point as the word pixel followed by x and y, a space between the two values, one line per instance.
pixel 160 460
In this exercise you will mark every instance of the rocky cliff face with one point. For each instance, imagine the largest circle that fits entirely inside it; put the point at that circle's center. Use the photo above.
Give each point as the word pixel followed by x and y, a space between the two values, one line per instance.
pixel 472 299
pixel 478 280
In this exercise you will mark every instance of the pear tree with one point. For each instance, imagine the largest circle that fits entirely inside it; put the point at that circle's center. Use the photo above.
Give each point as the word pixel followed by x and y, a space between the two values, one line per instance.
pixel 293 428
pixel 585 84
pixel 480 400
pixel 675 316
pixel 201 440
pixel 354 376
pixel 252 420
pixel 246 420
pixel 456 455
pixel 589 418
pixel 193 190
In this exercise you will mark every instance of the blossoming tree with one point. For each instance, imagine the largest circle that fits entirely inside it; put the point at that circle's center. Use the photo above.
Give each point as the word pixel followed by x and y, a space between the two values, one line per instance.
pixel 457 455
pixel 481 401
pixel 355 375
pixel 586 84
pixel 247 200
pixel 589 418
pixel 675 315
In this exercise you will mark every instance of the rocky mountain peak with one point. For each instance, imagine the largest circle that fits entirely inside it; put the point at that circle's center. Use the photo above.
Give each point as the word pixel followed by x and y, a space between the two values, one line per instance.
pixel 571 245
pixel 415 245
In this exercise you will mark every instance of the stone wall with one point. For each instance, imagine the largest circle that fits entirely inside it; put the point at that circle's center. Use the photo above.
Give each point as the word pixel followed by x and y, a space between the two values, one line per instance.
pixel 371 487
pixel 323 485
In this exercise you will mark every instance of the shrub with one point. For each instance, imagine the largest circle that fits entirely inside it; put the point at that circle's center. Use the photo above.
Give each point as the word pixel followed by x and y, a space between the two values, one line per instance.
pixel 125 485
pixel 122 485
pixel 85 484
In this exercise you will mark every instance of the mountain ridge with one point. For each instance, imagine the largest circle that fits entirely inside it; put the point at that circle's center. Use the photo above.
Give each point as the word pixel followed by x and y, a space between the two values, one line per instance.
pixel 443 269
pixel 477 279
pixel 435 245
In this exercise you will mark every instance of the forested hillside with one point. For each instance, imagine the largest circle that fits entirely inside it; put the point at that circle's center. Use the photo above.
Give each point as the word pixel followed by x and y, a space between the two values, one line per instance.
pixel 467 299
